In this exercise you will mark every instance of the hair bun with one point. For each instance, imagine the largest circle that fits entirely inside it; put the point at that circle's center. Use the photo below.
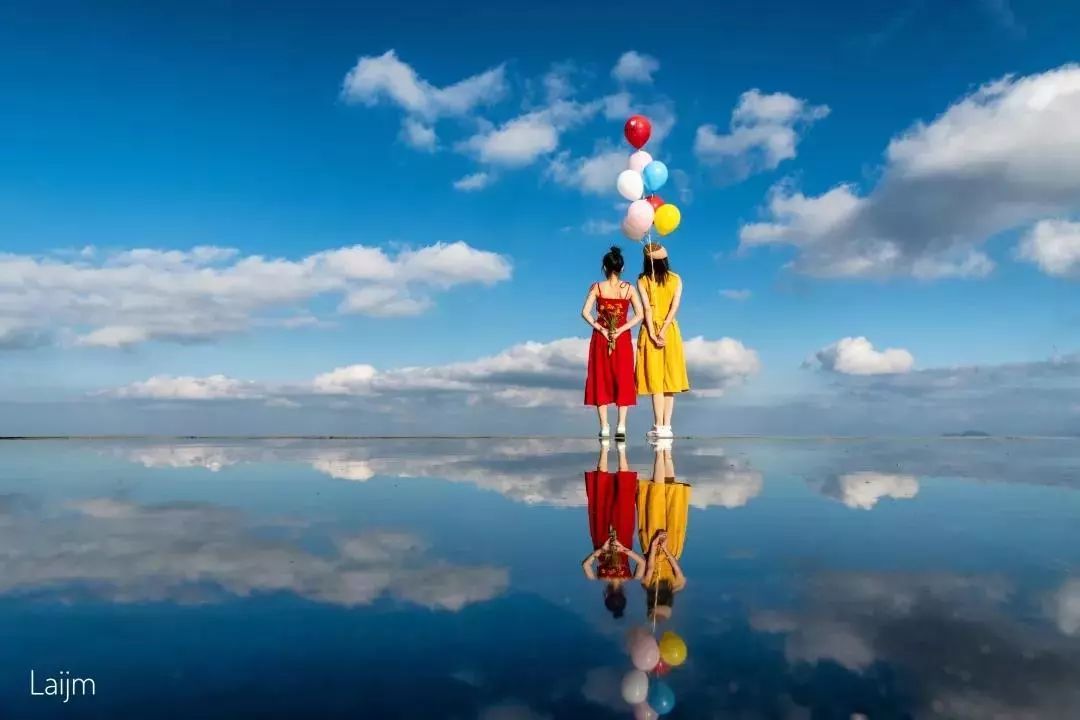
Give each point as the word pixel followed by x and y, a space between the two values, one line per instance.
pixel 616 250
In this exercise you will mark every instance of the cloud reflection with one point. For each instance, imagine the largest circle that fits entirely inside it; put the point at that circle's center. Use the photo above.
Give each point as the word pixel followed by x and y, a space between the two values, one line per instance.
pixel 199 552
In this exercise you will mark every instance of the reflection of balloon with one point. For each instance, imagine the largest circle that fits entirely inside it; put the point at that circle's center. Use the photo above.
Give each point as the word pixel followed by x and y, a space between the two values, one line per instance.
pixel 631 233
pixel 645 653
pixel 639 216
pixel 661 698
pixel 655 175
pixel 632 636
pixel 656 201
pixel 667 219
pixel 630 185
pixel 662 668
pixel 637 130
pixel 644 712
pixel 672 649
pixel 635 686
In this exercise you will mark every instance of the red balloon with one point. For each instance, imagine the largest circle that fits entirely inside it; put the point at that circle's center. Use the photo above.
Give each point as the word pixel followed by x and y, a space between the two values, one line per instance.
pixel 662 668
pixel 637 130
pixel 655 200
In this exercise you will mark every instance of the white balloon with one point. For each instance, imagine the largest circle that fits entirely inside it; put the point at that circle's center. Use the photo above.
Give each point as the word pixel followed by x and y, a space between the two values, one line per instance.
pixel 635 687
pixel 642 711
pixel 630 185
pixel 639 216
pixel 639 160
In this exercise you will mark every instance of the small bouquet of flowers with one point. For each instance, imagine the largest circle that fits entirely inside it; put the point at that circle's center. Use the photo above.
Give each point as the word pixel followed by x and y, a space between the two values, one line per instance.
pixel 612 328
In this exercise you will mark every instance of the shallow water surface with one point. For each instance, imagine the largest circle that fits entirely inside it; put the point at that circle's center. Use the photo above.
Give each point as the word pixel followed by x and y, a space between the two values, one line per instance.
pixel 443 579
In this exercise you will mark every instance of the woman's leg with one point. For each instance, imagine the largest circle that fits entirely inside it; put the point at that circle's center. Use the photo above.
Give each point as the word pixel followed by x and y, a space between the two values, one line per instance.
pixel 624 464
pixel 669 408
pixel 601 412
pixel 658 409
pixel 622 415
pixel 669 465
pixel 602 461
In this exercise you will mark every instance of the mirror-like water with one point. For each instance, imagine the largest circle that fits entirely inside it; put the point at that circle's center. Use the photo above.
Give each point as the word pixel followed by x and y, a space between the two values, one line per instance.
pixel 445 579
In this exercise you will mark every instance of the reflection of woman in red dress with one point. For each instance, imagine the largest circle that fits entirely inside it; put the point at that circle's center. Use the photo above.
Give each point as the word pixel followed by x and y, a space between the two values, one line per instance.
pixel 612 516
pixel 610 379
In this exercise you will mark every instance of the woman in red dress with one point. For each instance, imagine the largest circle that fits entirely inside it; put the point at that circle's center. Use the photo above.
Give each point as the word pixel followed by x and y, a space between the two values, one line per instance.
pixel 610 378
pixel 612 516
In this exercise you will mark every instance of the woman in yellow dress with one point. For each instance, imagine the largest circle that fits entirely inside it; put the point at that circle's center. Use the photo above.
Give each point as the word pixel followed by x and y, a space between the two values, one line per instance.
pixel 661 366
pixel 663 511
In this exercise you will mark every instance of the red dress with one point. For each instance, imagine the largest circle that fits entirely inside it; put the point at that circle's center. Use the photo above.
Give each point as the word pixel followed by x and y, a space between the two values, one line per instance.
pixel 612 497
pixel 610 379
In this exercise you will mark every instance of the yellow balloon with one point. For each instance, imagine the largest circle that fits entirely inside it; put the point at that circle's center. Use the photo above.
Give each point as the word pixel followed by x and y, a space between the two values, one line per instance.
pixel 667 218
pixel 672 649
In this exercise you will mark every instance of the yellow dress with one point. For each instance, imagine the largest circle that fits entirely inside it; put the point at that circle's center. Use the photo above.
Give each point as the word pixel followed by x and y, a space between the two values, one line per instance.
pixel 663 506
pixel 661 370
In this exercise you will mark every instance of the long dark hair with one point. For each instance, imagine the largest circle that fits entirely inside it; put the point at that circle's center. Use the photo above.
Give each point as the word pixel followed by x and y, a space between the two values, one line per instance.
pixel 615 600
pixel 661 594
pixel 613 261
pixel 657 269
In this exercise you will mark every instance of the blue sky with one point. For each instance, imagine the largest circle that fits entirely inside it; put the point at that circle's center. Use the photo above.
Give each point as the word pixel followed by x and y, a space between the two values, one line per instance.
pixel 163 129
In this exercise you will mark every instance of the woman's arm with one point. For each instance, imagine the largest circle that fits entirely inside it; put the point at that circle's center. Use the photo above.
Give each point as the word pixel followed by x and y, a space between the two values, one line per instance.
pixel 647 313
pixel 673 309
pixel 587 563
pixel 630 323
pixel 680 579
pixel 587 311
pixel 654 555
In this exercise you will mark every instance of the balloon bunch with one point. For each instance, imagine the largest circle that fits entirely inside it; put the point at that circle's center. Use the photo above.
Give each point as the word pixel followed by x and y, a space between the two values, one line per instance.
pixel 639 183
pixel 651 699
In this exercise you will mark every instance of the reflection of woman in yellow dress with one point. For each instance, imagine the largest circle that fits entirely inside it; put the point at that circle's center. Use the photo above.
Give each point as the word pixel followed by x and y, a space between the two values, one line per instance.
pixel 663 511
pixel 661 365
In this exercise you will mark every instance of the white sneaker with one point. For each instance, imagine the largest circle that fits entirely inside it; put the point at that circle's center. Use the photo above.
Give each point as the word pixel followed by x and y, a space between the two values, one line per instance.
pixel 654 432
pixel 664 431
pixel 661 444
pixel 605 432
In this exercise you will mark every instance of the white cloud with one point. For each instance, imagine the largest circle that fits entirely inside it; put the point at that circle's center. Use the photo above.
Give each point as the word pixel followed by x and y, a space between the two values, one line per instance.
pixel 1053 245
pixel 523 139
pixel 126 298
pixel 594 174
pixel 164 387
pixel 599 227
pixel 475 181
pixel 863 490
pixel 1003 157
pixel 531 374
pixel 375 78
pixel 764 131
pixel 732 294
pixel 418 135
pixel 857 356
pixel 716 365
pixel 633 66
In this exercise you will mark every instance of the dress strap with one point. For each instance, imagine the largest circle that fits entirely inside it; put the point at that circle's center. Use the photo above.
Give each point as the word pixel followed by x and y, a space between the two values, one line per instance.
pixel 626 290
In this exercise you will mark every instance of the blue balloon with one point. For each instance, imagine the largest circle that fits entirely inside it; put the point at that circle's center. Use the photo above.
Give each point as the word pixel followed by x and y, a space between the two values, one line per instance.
pixel 661 697
pixel 655 175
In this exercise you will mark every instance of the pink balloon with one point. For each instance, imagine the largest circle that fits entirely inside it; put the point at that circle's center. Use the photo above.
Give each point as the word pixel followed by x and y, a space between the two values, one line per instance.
pixel 632 233
pixel 632 636
pixel 639 216
pixel 639 160
pixel 642 711
pixel 645 653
